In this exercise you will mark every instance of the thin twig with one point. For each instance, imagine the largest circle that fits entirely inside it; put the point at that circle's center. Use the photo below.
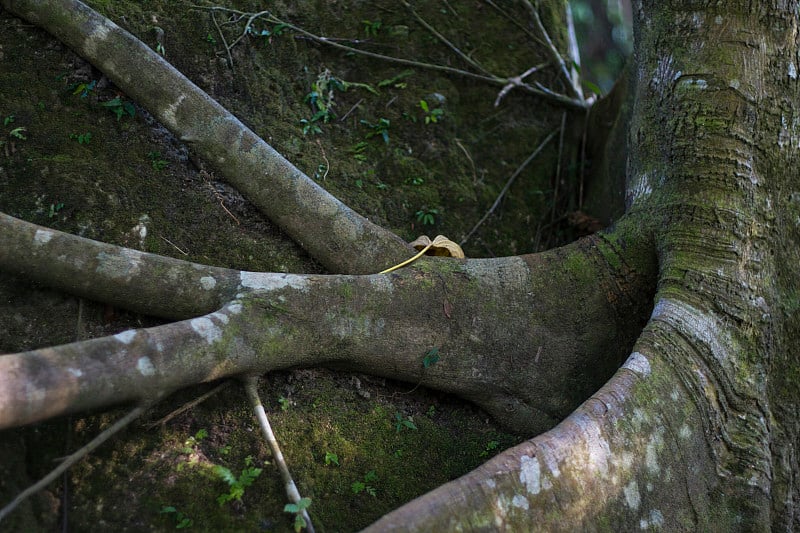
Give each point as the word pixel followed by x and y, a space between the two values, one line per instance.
pixel 188 405
pixel 173 245
pixel 250 387
pixel 536 89
pixel 515 22
pixel 351 110
pixel 516 82
pixel 554 53
pixel 224 41
pixel 327 163
pixel 508 185
pixel 477 66
pixel 72 459
pixel 469 158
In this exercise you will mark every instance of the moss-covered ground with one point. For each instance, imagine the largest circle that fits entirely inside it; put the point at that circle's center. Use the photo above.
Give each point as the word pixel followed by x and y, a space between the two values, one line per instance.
pixel 67 161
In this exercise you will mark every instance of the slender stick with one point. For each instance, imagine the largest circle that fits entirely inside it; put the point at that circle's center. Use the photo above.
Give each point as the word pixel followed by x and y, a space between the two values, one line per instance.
pixel 537 89
pixel 477 66
pixel 188 405
pixel 72 459
pixel 508 185
pixel 250 388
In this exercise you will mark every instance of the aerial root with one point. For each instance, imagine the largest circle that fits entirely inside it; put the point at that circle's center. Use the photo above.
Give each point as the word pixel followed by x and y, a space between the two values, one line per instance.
pixel 250 387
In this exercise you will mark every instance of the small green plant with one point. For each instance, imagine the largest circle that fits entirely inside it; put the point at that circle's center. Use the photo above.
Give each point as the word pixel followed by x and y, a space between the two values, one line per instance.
pixel 403 422
pixel 310 127
pixel 8 120
pixel 120 107
pixel 431 412
pixel 396 80
pixel 358 150
pixel 190 443
pixel 82 138
pixel 432 116
pixel 210 39
pixel 285 403
pixel 181 521
pixel 156 161
pixel 427 216
pixel 225 450
pixel 18 133
pixel 331 459
pixel 267 33
pixel 237 484
pixel 54 209
pixel 380 128
pixel 491 448
pixel 83 89
pixel 365 485
pixel 431 357
pixel 297 509
pixel 415 180
pixel 371 28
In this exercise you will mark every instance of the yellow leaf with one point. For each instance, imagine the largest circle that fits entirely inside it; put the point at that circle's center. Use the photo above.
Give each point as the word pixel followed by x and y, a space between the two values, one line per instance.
pixel 440 246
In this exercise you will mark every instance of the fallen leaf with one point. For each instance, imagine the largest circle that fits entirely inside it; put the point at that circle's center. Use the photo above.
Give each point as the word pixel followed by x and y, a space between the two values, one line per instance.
pixel 440 246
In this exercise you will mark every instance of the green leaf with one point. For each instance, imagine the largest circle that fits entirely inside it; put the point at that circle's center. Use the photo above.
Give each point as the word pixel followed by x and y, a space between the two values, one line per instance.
pixel 431 358
pixel 225 474
pixel 594 88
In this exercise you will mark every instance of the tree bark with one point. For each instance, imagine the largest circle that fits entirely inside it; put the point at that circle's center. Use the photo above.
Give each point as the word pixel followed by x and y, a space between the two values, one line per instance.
pixel 698 428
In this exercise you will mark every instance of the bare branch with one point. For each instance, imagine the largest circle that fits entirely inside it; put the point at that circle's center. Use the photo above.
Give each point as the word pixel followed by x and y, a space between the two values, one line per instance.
pixel 508 185
pixel 107 433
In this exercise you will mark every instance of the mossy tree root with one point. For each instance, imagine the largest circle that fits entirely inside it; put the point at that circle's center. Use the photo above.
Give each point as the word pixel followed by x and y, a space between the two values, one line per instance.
pixel 530 373
pixel 314 219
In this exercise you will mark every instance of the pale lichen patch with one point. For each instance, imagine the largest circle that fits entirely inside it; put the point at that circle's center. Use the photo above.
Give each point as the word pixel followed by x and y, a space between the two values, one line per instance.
pixel 234 308
pixel 268 281
pixel 204 327
pixel 520 502
pixel 654 521
pixel 145 366
pixel 126 337
pixel 75 372
pixel 638 364
pixel 208 283
pixel 170 112
pixel 530 474
pixel 42 237
pixel 632 497
pixel 651 453
pixel 125 264
pixel 222 317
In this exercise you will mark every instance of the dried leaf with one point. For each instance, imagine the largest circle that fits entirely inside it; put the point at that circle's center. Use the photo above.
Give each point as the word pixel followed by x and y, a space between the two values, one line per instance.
pixel 440 246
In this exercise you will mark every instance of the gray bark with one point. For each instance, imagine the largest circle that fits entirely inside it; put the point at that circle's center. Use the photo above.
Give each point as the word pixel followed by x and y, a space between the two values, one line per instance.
pixel 697 430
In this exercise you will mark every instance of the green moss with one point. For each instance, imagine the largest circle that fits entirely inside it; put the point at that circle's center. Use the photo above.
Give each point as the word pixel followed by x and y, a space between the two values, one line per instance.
pixel 107 186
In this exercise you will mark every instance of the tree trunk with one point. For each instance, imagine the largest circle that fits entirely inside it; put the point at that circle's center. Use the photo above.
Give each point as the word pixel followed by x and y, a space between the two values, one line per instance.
pixel 697 430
